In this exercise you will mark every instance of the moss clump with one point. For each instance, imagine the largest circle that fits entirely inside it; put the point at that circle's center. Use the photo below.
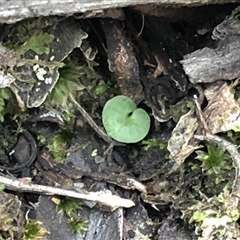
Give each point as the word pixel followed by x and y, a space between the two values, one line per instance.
pixel 34 230
pixel 57 143
pixel 215 217
pixel 68 83
pixel 70 207
pixel 154 142
pixel 39 43
pixel 215 159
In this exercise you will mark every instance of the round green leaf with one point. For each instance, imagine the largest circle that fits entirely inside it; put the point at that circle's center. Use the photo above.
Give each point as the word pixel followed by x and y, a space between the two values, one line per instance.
pixel 123 121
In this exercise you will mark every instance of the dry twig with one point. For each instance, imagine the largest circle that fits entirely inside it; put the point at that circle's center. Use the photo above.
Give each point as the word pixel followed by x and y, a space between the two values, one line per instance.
pixel 96 128
pixel 121 180
pixel 102 197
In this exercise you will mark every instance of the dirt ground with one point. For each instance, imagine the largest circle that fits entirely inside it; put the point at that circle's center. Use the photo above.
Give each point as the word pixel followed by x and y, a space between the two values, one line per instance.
pixel 160 163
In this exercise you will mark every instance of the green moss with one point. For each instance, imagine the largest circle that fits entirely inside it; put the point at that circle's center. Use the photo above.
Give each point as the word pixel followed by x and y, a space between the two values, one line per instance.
pixel 180 108
pixel 68 83
pixel 70 207
pixel 79 226
pixel 215 159
pixel 21 32
pixel 68 116
pixel 99 89
pixel 218 214
pixel 39 43
pixel 57 144
pixel 154 142
pixel 34 230
pixel 234 136
pixel 198 216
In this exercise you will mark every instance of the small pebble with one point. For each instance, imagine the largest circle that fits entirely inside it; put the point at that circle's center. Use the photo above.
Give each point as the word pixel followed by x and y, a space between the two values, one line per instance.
pixel 99 159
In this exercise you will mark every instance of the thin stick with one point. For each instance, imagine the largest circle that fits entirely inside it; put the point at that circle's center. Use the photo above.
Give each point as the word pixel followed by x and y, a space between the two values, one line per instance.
pixel 105 198
pixel 200 115
pixel 121 180
pixel 143 23
pixel 96 128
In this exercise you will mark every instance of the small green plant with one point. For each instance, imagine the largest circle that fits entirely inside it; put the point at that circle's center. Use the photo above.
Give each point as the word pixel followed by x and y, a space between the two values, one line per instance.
pixel 98 89
pixel 70 207
pixel 57 144
pixel 154 142
pixel 180 108
pixel 123 121
pixel 79 226
pixel 214 159
pixel 94 152
pixel 34 230
pixel 68 83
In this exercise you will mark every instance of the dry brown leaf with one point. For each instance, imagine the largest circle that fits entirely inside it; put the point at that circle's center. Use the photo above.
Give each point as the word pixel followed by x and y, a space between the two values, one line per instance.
pixel 182 142
pixel 223 111
pixel 212 89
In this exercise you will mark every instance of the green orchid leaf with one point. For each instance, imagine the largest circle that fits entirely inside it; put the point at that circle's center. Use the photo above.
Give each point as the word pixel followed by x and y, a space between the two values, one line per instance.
pixel 123 121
